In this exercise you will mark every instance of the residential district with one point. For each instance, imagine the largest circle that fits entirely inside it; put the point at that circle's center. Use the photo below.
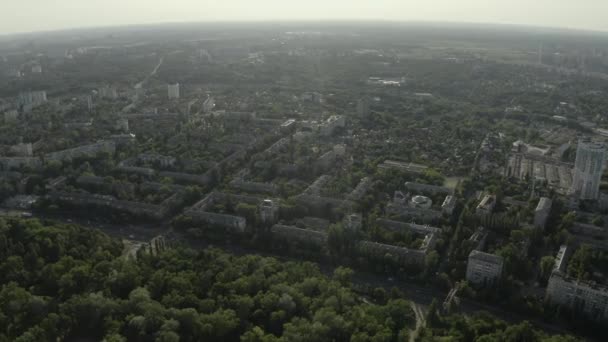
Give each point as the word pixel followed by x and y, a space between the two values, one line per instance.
pixel 479 174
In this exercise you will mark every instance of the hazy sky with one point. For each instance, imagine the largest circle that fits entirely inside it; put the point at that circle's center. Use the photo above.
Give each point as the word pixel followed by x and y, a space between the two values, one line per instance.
pixel 37 15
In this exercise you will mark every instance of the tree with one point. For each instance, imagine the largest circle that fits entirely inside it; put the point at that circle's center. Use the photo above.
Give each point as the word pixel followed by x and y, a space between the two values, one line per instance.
pixel 579 263
pixel 432 315
pixel 78 285
pixel 343 275
pixel 546 266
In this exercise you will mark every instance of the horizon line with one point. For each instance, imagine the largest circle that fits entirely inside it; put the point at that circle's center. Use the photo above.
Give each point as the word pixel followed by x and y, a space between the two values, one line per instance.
pixel 309 21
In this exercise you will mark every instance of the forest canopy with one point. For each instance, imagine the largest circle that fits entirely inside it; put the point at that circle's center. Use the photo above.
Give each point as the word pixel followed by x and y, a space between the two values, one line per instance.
pixel 65 282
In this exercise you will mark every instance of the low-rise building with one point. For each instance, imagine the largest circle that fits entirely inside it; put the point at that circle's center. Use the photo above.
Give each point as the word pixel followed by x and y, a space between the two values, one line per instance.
pixel 253 187
pixel 11 116
pixel 334 122
pixel 427 188
pixel 421 202
pixel 486 206
pixel 300 235
pixel 269 211
pixel 406 212
pixel 122 139
pixel 288 126
pixel 91 150
pixel 542 212
pixel 411 168
pixel 396 254
pixel 85 200
pixel 29 100
pixel 361 189
pixel 22 150
pixel 234 223
pixel 449 203
pixel 152 158
pixel 9 163
pixel 20 202
pixel 585 297
pixel 173 91
pixel 108 92
pixel 353 222
pixel 203 179
pixel 208 104
pixel 399 198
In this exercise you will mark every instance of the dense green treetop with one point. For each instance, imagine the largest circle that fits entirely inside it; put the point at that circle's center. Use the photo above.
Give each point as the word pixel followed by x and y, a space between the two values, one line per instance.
pixel 64 282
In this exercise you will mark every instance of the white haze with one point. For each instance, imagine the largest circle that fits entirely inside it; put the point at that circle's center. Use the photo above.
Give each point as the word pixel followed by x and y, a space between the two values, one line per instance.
pixel 42 15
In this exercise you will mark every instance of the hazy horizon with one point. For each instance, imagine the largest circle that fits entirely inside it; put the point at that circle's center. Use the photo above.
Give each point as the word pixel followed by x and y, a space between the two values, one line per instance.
pixel 36 15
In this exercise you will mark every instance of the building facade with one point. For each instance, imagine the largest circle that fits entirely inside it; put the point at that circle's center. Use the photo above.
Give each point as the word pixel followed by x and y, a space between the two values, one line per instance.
pixel 588 169
pixel 173 91
pixel 31 99
pixel 484 268
pixel 585 297
pixel 541 213
pixel 486 206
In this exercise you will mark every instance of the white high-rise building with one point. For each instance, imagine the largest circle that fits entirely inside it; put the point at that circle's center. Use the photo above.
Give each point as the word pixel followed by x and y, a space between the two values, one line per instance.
pixel 588 168
pixel 173 90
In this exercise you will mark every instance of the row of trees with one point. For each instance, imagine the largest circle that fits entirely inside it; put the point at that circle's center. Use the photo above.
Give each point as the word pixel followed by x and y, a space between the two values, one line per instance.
pixel 481 327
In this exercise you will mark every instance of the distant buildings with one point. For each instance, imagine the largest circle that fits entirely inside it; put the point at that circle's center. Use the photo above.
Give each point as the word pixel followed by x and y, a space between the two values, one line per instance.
pixel 201 212
pixel 31 99
pixel 403 166
pixel 427 188
pixel 22 150
pixel 269 211
pixel 83 151
pixel 122 125
pixel 89 100
pixel 448 205
pixel 365 184
pixel 363 107
pixel 588 169
pixel 173 91
pixel 86 201
pixel 108 93
pixel 421 202
pixel 416 208
pixel 153 158
pixel 9 163
pixel 288 126
pixel 312 97
pixel 140 92
pixel 526 166
pixel 486 206
pixel 10 116
pixel 300 235
pixel 353 222
pixel 209 104
pixel 334 122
